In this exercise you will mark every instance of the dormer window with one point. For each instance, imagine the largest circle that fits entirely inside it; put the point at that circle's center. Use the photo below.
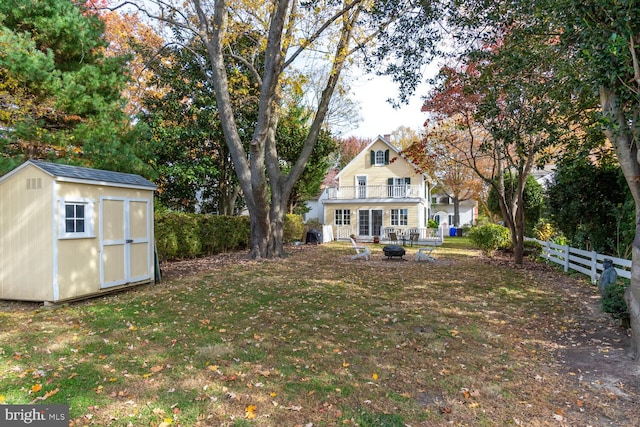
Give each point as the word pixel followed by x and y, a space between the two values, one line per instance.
pixel 379 157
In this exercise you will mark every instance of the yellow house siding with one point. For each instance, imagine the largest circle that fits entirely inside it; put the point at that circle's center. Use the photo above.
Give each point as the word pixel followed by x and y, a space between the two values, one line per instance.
pixel 26 235
pixel 413 214
pixel 398 167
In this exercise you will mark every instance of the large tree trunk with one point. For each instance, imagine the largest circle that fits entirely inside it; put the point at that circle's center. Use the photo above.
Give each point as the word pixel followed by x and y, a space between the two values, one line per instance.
pixel 456 211
pixel 621 136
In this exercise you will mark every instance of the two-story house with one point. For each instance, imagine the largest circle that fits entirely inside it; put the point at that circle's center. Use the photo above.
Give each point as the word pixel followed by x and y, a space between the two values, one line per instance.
pixel 379 191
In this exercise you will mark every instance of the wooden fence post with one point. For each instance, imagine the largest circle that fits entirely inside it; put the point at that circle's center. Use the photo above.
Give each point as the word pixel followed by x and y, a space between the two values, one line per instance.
pixel 566 258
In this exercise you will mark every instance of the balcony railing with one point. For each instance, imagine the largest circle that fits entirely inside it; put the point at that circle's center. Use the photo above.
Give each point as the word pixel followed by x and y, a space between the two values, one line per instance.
pixel 376 192
pixel 404 234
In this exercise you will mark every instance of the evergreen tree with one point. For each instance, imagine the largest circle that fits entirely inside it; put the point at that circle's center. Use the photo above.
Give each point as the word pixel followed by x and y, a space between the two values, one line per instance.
pixel 60 94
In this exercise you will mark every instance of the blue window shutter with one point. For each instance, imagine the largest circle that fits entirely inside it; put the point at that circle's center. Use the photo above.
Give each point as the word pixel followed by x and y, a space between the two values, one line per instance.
pixel 386 157
pixel 407 181
pixel 373 157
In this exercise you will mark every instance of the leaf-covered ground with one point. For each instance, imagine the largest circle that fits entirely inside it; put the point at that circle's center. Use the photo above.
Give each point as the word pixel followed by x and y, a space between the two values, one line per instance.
pixel 318 339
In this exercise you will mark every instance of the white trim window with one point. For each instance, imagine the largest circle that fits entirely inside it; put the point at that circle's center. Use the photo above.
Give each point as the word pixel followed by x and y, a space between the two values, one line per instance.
pixel 76 219
pixel 399 217
pixel 343 217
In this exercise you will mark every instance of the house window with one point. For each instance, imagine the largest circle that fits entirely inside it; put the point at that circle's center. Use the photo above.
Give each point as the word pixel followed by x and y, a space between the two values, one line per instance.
pixel 399 217
pixel 379 158
pixel 343 217
pixel 76 219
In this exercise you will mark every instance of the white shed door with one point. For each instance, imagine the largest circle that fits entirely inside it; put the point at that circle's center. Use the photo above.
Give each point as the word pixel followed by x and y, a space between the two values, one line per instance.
pixel 125 243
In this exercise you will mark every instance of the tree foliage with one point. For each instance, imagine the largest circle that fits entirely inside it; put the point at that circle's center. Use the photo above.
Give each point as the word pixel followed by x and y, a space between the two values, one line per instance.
pixel 275 36
pixel 181 125
pixel 589 202
pixel 532 199
pixel 61 96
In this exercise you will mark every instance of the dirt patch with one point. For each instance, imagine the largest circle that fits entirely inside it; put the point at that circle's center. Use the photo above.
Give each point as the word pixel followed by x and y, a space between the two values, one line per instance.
pixel 592 349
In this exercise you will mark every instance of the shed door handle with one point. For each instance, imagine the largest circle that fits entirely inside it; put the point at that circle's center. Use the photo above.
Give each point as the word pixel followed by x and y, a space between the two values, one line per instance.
pixel 129 241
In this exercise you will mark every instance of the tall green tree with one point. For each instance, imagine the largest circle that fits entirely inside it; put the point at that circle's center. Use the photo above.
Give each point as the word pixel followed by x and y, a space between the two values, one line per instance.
pixel 587 202
pixel 286 33
pixel 290 136
pixel 603 38
pixel 181 125
pixel 61 97
pixel 532 200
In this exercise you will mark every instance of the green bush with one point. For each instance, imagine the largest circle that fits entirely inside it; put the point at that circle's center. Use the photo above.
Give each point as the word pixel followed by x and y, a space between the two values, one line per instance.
pixel 432 224
pixel 491 237
pixel 532 248
pixel 613 301
pixel 293 228
pixel 185 235
pixel 182 235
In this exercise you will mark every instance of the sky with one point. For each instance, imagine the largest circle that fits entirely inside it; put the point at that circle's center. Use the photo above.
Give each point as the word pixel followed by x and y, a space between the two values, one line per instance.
pixel 379 117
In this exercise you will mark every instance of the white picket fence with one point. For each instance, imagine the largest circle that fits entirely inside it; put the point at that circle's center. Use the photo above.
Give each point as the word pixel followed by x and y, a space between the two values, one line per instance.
pixel 586 262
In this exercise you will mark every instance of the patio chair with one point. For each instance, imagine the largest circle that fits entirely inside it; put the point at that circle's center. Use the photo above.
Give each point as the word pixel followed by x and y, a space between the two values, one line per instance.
pixel 424 253
pixel 393 237
pixel 361 251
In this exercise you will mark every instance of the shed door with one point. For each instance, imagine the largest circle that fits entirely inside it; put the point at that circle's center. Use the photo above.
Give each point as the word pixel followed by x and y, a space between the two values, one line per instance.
pixel 125 243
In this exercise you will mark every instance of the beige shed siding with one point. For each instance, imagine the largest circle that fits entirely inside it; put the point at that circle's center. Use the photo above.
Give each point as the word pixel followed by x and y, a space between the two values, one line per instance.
pixel 79 259
pixel 26 236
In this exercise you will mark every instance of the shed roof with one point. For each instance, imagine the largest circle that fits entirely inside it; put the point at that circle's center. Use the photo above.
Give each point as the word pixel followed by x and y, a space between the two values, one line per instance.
pixel 79 173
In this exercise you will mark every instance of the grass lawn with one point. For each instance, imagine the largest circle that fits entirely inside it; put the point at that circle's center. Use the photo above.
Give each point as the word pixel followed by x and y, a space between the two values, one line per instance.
pixel 315 339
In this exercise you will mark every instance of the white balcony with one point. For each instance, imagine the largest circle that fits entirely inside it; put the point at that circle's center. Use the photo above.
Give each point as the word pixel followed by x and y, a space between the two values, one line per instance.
pixel 403 191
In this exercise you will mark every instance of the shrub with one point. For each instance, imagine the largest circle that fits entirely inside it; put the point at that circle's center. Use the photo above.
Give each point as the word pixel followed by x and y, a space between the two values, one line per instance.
pixel 185 235
pixel 532 248
pixel 293 228
pixel 182 235
pixel 432 224
pixel 491 237
pixel 544 230
pixel 613 301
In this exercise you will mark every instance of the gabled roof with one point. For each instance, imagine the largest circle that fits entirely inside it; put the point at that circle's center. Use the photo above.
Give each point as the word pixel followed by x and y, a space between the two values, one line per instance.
pixel 82 174
pixel 366 149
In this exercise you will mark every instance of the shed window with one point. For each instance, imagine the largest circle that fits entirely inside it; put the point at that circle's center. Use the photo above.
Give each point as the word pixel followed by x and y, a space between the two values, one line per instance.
pixel 76 219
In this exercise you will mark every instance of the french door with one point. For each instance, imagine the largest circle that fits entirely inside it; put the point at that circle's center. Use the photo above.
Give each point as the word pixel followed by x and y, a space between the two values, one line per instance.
pixel 369 222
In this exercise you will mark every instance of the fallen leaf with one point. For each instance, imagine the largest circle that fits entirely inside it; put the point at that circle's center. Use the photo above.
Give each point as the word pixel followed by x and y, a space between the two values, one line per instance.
pixel 345 364
pixel 374 376
pixel 36 388
pixel 157 368
pixel 250 412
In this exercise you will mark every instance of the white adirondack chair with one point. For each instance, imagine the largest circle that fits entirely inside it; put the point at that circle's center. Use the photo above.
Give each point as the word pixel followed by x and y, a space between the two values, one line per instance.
pixel 361 251
pixel 424 253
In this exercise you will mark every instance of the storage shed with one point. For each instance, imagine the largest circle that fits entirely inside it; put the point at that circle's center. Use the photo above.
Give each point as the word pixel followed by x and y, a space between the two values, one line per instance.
pixel 69 232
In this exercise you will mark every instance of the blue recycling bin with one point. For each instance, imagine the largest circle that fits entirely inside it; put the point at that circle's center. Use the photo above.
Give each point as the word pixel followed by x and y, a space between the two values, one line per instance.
pixel 452 232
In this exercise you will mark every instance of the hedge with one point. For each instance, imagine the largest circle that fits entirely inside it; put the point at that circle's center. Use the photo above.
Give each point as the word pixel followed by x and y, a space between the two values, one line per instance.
pixel 183 235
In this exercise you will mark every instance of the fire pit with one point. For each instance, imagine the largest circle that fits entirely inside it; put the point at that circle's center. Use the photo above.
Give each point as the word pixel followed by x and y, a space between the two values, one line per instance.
pixel 391 251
